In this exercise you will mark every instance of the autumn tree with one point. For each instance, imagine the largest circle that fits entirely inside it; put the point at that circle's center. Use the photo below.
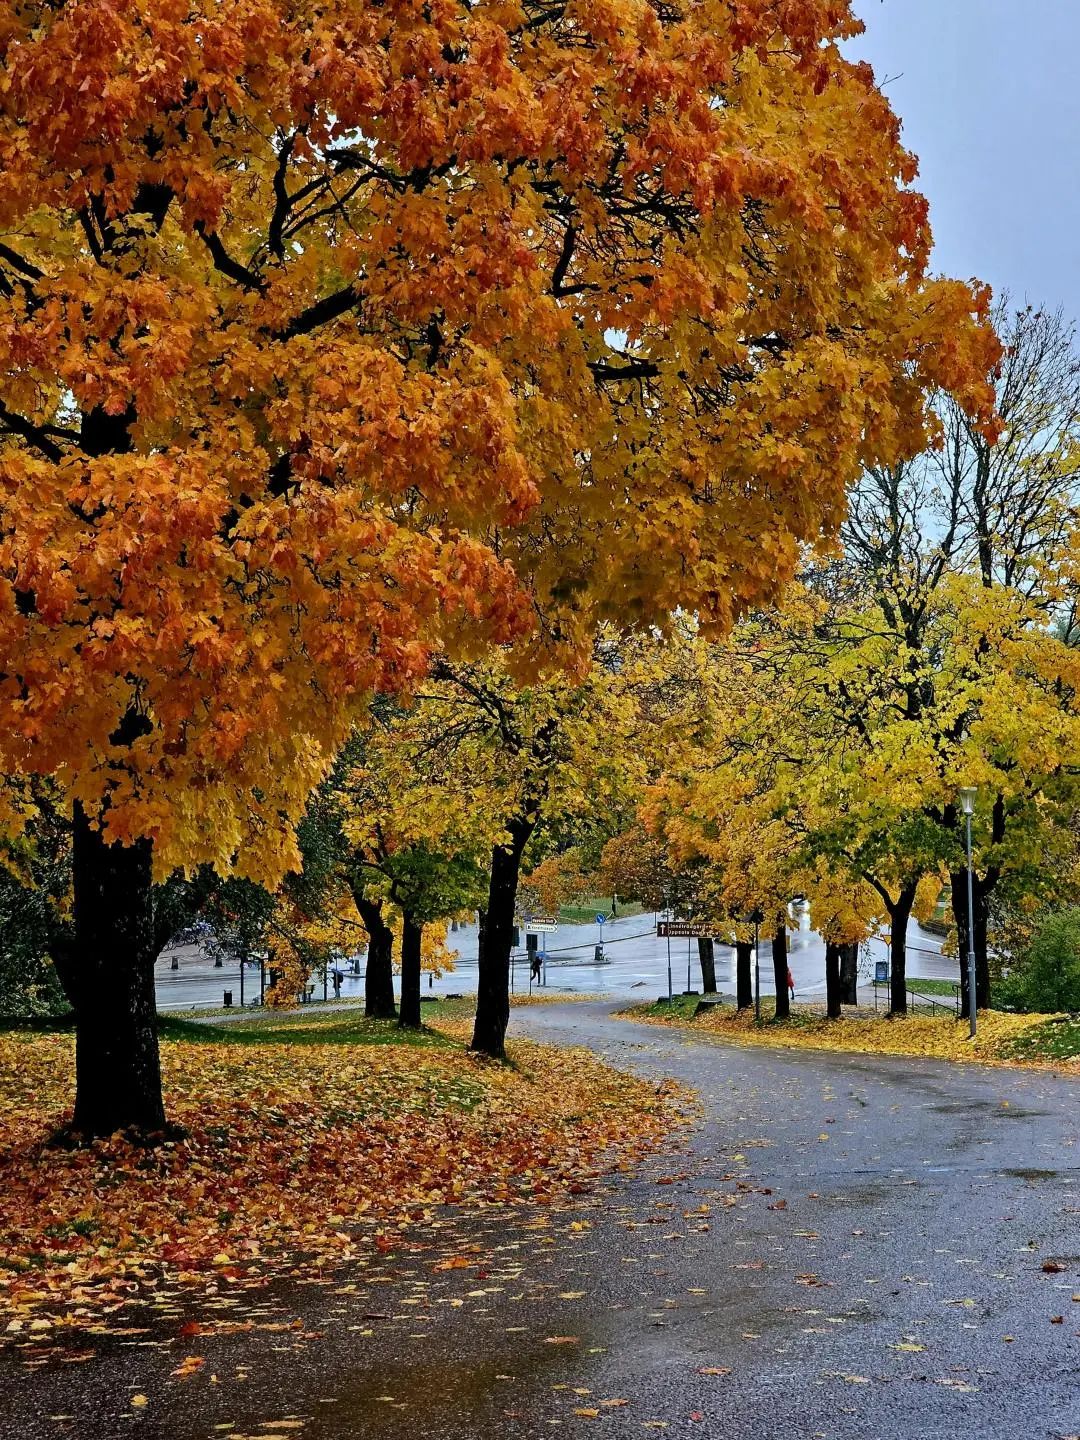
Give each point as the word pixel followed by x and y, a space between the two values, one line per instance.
pixel 719 812
pixel 333 333
pixel 637 863
pixel 1001 508
pixel 409 845
pixel 530 757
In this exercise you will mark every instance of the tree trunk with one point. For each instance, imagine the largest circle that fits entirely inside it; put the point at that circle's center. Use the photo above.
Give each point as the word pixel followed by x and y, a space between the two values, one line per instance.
pixel 849 974
pixel 981 889
pixel 379 970
pixel 982 957
pixel 496 941
pixel 899 915
pixel 744 978
pixel 412 935
pixel 832 980
pixel 117 1068
pixel 958 880
pixel 707 958
pixel 780 969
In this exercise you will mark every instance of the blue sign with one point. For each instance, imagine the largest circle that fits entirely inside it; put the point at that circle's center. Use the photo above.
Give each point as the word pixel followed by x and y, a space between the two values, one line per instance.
pixel 881 972
pixel 600 919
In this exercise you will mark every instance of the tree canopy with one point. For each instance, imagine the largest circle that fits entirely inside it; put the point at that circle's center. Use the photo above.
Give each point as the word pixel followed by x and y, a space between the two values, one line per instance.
pixel 332 334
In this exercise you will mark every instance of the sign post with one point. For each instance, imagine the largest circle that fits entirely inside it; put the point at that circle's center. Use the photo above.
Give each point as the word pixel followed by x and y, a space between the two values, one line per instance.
pixel 881 977
pixel 598 953
pixel 688 930
pixel 667 932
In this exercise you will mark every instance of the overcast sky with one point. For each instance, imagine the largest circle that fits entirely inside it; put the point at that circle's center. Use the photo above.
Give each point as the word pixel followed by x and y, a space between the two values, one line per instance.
pixel 990 100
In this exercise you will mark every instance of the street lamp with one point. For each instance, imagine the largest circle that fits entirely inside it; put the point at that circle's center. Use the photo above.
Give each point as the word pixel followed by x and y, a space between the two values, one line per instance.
pixel 967 805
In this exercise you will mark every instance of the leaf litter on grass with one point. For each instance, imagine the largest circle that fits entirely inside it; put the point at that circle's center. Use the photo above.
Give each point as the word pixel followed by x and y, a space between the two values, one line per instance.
pixel 319 1153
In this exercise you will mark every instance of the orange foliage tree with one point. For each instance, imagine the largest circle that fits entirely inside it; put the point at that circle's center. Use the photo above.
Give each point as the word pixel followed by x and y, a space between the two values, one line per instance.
pixel 332 332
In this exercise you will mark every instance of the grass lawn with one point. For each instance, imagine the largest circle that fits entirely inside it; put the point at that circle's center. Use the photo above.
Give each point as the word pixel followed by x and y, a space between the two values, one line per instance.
pixel 1002 1038
pixel 946 988
pixel 317 1027
pixel 1056 1039
pixel 587 910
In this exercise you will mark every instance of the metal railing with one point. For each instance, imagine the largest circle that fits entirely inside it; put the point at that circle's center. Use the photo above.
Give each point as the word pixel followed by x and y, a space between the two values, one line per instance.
pixel 933 1002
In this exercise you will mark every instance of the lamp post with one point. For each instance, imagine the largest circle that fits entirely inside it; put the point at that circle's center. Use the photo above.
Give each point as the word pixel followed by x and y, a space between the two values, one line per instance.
pixel 967 805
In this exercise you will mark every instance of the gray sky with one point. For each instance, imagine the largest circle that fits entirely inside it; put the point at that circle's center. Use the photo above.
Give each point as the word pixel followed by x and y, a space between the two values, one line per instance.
pixel 989 97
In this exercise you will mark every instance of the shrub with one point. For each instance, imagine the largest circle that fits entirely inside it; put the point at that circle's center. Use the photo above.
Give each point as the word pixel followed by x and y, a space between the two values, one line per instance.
pixel 1047 979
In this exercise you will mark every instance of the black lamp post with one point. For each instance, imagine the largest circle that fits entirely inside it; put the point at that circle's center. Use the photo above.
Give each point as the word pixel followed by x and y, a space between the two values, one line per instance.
pixel 755 918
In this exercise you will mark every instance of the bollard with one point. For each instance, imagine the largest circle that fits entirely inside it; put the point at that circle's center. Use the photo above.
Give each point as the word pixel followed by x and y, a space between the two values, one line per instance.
pixel 228 999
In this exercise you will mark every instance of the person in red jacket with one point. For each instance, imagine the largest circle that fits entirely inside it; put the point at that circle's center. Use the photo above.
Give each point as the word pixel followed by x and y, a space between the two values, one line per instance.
pixel 791 982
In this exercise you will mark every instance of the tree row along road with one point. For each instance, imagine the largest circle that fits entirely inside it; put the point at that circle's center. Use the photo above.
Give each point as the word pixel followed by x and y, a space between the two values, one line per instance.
pixel 637 966
pixel 846 1247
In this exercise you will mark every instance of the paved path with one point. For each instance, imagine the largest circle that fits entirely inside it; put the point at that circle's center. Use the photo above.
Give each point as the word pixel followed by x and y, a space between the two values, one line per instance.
pixel 860 1241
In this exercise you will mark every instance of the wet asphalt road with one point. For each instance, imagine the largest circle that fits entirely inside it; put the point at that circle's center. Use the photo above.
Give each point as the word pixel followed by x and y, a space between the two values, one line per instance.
pixel 859 1241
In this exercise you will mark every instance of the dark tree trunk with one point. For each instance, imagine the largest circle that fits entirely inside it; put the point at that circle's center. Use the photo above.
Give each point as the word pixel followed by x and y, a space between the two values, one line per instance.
pixel 111 980
pixel 982 889
pixel 412 935
pixel 780 969
pixel 899 915
pixel 379 970
pixel 744 977
pixel 832 980
pixel 849 974
pixel 707 958
pixel 982 957
pixel 958 879
pixel 496 940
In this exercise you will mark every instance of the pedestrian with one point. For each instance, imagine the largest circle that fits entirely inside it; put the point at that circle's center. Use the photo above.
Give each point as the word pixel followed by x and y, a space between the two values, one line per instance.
pixel 791 982
pixel 338 977
pixel 535 974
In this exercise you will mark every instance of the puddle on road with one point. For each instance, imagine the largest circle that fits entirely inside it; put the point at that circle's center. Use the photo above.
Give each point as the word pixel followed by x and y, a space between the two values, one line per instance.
pixel 498 1388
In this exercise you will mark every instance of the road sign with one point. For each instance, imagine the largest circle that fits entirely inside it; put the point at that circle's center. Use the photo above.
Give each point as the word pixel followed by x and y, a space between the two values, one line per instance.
pixel 881 972
pixel 689 930
pixel 542 927
pixel 601 919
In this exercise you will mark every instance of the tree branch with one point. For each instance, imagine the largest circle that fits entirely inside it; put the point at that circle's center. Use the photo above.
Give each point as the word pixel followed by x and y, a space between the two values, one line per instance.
pixel 330 307
pixel 224 262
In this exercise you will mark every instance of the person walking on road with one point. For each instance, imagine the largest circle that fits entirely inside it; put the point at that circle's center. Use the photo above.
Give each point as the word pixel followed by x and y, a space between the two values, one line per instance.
pixel 791 982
